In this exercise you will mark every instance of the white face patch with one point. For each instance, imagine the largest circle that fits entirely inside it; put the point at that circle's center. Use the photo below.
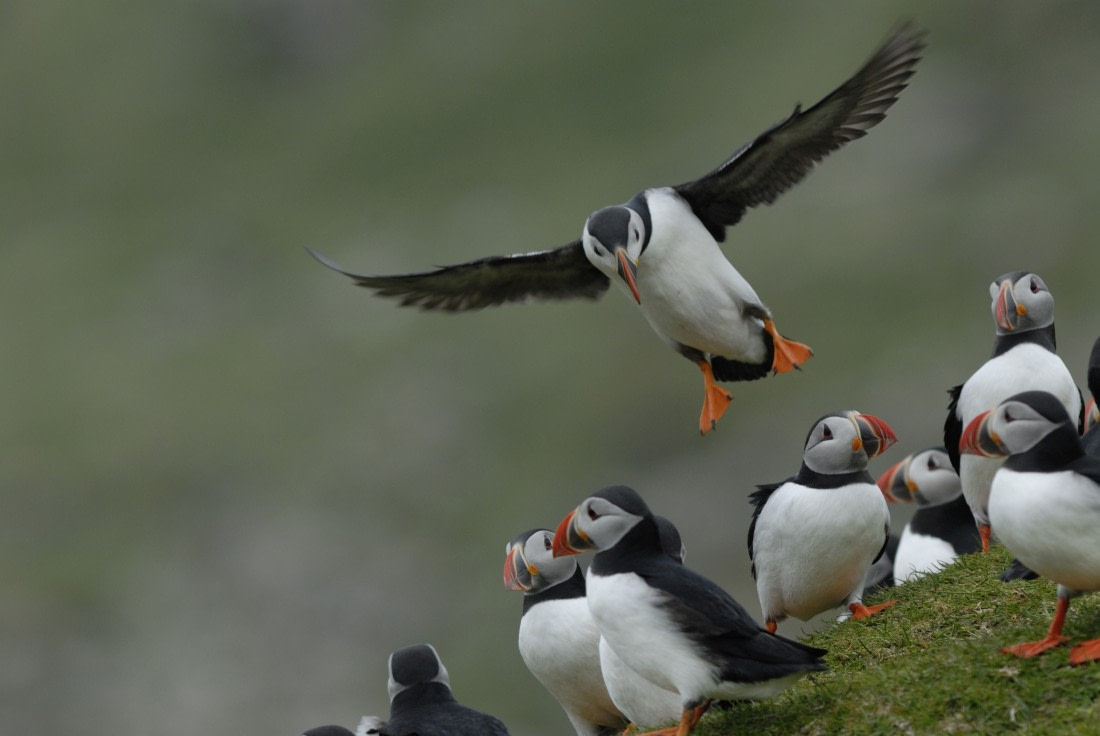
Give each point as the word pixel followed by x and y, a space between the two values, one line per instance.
pixel 603 522
pixel 1019 427
pixel 829 448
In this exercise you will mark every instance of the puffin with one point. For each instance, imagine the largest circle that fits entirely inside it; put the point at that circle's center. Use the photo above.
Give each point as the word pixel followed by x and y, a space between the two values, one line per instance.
pixel 1044 502
pixel 421 701
pixel 1023 359
pixel 669 624
pixel 943 526
pixel 558 640
pixel 663 245
pixel 814 536
pixel 646 704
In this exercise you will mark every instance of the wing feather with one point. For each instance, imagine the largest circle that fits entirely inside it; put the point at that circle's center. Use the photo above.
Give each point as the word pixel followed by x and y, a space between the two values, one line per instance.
pixel 559 273
pixel 781 156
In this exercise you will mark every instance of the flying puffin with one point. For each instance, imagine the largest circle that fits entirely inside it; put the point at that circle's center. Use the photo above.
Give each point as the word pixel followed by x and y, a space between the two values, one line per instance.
pixel 1044 502
pixel 669 624
pixel 646 705
pixel 943 526
pixel 814 536
pixel 558 639
pixel 421 701
pixel 1024 359
pixel 663 245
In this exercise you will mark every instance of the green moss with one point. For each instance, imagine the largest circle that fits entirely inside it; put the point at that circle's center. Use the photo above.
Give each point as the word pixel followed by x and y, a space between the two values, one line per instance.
pixel 932 665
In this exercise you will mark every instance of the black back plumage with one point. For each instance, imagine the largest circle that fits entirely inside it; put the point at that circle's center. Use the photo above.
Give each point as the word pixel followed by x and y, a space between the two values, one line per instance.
pixel 426 705
pixel 328 731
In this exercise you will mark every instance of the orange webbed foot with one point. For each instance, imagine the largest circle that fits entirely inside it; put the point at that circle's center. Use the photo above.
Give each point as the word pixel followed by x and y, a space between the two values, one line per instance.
pixel 715 399
pixel 860 611
pixel 787 354
pixel 1086 651
pixel 1030 649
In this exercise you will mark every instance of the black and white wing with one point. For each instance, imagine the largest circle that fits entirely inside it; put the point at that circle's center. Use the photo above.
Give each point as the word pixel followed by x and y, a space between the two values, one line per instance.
pixel 559 273
pixel 780 157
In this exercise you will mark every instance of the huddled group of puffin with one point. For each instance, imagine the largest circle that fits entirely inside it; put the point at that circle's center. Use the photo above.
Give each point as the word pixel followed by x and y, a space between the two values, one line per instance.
pixel 643 641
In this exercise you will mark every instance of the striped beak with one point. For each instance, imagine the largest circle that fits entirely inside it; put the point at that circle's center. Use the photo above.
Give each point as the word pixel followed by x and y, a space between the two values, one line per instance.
pixel 897 486
pixel 628 271
pixel 568 539
pixel 979 438
pixel 875 435
pixel 1006 310
pixel 518 575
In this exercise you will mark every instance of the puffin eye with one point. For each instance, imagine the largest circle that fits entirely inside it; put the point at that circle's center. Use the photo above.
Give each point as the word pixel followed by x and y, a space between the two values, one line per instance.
pixel 546 542
pixel 931 463
pixel 592 514
pixel 1034 287
pixel 826 433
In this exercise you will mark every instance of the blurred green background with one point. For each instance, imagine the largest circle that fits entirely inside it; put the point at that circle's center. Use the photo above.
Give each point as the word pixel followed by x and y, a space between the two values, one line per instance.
pixel 233 483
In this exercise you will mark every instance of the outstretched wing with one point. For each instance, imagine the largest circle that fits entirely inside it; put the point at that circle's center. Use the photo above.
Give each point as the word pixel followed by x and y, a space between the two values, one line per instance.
pixel 559 273
pixel 780 157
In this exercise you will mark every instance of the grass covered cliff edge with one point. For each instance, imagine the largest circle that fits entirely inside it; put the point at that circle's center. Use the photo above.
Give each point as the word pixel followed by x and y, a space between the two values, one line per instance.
pixel 932 665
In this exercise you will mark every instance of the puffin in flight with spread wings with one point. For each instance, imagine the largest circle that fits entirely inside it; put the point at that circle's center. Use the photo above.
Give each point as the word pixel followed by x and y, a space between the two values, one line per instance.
pixel 663 245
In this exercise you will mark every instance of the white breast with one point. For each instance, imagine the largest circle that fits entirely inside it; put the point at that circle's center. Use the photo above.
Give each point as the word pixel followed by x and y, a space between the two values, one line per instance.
pixel 1049 521
pixel 813 548
pixel 645 704
pixel 691 294
pixel 1026 367
pixel 919 554
pixel 559 643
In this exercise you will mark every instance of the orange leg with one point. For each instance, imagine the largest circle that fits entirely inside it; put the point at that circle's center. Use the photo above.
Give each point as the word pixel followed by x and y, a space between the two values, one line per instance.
pixel 715 399
pixel 1086 651
pixel 771 626
pixel 688 719
pixel 860 611
pixel 1053 638
pixel 788 353
pixel 986 534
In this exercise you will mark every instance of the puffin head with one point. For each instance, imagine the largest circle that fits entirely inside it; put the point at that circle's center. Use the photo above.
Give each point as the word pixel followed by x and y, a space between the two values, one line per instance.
pixel 925 478
pixel 600 521
pixel 1021 302
pixel 1016 425
pixel 845 441
pixel 414 665
pixel 530 565
pixel 614 238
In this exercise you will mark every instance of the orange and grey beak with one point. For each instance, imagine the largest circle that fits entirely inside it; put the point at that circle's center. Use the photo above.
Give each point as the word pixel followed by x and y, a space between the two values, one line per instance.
pixel 628 270
pixel 1006 310
pixel 979 438
pixel 897 486
pixel 518 574
pixel 1092 414
pixel 568 539
pixel 875 435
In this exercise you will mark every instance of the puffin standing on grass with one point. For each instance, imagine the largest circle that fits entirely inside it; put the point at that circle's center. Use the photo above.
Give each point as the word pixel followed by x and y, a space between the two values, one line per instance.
pixel 1044 502
pixel 558 639
pixel 669 624
pixel 663 245
pixel 943 526
pixel 1024 359
pixel 814 536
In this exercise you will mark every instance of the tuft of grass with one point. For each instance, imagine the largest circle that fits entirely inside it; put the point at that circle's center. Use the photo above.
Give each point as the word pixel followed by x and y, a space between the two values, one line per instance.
pixel 932 665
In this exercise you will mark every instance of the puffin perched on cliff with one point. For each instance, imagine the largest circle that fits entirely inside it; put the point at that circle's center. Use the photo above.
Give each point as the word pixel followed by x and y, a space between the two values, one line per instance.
pixel 815 535
pixel 1023 359
pixel 1044 502
pixel 669 624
